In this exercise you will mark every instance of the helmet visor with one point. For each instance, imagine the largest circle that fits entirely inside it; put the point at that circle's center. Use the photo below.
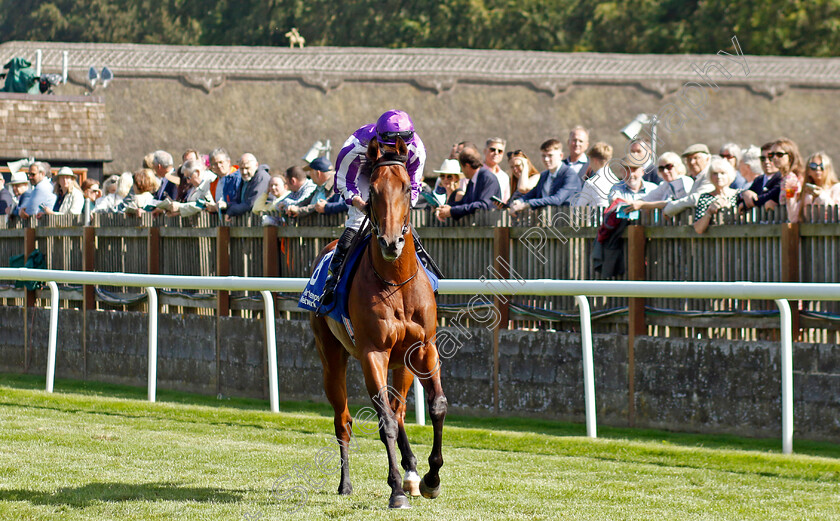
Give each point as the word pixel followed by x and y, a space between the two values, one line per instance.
pixel 390 138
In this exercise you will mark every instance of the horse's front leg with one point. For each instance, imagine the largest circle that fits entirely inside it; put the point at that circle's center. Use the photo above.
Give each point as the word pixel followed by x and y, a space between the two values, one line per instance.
pixel 375 367
pixel 403 378
pixel 425 363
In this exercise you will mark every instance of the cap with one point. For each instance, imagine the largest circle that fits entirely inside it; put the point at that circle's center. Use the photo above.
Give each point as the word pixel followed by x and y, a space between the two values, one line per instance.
pixel 696 149
pixel 322 164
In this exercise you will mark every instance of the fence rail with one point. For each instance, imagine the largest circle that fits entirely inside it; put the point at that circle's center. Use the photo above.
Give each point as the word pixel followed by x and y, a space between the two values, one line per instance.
pixel 551 244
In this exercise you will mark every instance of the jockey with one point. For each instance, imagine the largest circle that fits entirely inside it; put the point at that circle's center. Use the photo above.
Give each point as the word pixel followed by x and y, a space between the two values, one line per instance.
pixel 352 182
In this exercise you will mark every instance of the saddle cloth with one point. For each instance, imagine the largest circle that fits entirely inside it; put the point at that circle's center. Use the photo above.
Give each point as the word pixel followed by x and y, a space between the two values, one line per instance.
pixel 311 296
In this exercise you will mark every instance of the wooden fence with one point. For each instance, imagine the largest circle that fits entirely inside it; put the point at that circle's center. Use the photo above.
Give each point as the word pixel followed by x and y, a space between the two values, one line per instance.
pixel 553 243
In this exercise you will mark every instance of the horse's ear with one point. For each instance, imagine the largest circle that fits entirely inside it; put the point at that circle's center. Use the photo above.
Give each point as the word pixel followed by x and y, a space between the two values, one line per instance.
pixel 402 149
pixel 373 152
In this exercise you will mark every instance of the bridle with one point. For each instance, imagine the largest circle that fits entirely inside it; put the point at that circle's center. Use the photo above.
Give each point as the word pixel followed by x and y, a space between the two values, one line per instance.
pixel 387 160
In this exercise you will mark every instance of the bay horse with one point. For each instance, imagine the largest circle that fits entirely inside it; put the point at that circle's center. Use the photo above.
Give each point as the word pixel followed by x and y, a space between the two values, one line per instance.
pixel 393 314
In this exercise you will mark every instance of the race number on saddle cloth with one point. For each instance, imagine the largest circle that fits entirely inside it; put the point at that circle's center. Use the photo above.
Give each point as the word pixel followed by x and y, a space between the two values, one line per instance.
pixel 311 296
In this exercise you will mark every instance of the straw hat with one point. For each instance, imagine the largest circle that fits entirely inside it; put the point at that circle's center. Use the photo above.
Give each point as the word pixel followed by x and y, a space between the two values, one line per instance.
pixel 65 170
pixel 450 167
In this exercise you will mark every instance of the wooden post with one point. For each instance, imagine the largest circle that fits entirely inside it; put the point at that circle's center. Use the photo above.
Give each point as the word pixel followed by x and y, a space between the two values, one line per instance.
pixel 28 248
pixel 222 297
pixel 636 311
pixel 88 292
pixel 153 252
pixel 501 261
pixel 790 269
pixel 223 268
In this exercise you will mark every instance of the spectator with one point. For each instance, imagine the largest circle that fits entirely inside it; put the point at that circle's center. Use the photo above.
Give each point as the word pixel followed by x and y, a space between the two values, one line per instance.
pixel 254 182
pixel 198 194
pixel 91 191
pixel 721 173
pixel 165 171
pixel 226 186
pixel 19 185
pixel 324 200
pixel 675 185
pixel 481 187
pixel 778 159
pixel 599 181
pixel 276 191
pixel 300 193
pixel 820 187
pixel 301 189
pixel 558 184
pixel 494 151
pixel 69 198
pixel 732 153
pixel 525 174
pixel 449 181
pixel 750 165
pixel 146 184
pixel 109 201
pixel 40 195
pixel 457 148
pixel 149 161
pixel 183 185
pixel 7 201
pixel 640 148
pixel 696 159
pixel 633 187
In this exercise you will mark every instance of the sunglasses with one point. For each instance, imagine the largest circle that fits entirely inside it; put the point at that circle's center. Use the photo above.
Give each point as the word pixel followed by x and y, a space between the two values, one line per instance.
pixel 517 152
pixel 727 156
pixel 771 155
pixel 496 150
pixel 814 166
pixel 662 168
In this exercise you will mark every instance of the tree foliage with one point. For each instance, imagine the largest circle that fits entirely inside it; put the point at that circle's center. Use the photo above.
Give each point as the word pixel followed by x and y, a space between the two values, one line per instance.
pixel 776 27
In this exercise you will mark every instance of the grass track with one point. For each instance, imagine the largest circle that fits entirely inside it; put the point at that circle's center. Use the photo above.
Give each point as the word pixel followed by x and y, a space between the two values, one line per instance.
pixel 94 451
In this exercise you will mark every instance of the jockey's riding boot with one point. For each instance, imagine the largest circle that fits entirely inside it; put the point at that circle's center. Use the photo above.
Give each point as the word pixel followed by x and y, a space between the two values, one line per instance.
pixel 425 258
pixel 341 249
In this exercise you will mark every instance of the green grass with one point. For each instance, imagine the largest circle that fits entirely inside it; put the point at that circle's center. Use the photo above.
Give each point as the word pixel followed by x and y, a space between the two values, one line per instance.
pixel 94 451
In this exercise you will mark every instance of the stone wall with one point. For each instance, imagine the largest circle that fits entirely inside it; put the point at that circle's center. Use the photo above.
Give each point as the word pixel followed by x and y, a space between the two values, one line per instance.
pixel 713 386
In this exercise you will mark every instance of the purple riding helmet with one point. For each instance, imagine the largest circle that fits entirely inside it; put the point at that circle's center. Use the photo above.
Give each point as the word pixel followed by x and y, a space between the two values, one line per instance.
pixel 393 124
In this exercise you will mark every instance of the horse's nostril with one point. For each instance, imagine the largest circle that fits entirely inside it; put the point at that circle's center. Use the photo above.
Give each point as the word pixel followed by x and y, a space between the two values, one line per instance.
pixel 400 240
pixel 383 243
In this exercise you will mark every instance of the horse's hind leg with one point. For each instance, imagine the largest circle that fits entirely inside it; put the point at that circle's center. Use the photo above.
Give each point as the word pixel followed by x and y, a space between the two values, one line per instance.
pixel 403 379
pixel 375 367
pixel 425 363
pixel 334 361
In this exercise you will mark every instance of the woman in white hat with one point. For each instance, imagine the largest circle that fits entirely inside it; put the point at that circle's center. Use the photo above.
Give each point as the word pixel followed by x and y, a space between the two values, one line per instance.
pixel 449 178
pixel 69 196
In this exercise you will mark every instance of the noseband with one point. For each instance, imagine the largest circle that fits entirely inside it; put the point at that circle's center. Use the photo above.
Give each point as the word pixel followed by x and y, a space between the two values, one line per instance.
pixel 391 160
pixel 374 221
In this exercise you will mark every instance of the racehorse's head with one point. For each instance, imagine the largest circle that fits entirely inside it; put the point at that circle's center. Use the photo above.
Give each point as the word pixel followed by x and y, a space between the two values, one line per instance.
pixel 390 197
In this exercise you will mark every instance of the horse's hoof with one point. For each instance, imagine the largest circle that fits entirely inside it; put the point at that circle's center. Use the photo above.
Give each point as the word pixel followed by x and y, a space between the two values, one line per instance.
pixel 345 489
pixel 399 501
pixel 428 492
pixel 411 484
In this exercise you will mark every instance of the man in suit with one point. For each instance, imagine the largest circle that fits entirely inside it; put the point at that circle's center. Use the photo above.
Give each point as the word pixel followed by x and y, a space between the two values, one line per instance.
pixel 254 182
pixel 562 179
pixel 165 171
pixel 482 185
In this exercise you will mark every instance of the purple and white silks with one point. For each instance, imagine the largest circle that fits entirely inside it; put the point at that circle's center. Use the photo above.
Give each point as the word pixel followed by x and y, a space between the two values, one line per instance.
pixel 349 183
